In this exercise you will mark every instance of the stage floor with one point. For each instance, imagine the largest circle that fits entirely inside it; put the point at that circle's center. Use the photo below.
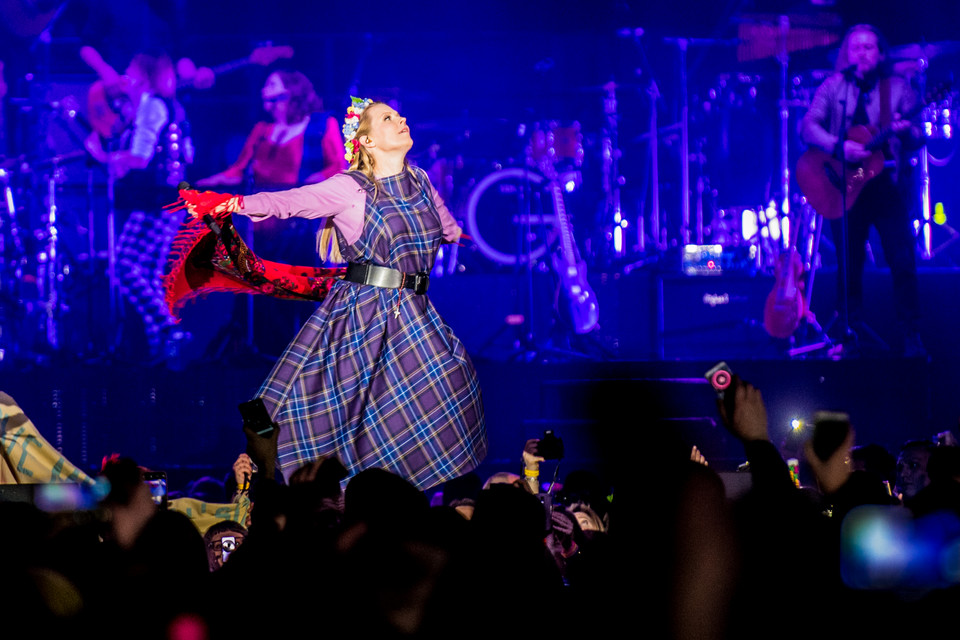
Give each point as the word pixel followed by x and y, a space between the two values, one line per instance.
pixel 187 422
pixel 642 370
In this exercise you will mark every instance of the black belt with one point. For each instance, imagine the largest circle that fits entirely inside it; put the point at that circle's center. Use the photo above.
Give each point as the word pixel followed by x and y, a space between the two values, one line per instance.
pixel 386 277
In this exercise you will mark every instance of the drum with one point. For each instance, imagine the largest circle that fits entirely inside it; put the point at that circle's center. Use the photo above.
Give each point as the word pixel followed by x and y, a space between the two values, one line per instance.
pixel 803 85
pixel 759 231
pixel 732 90
pixel 940 119
pixel 559 145
pixel 511 217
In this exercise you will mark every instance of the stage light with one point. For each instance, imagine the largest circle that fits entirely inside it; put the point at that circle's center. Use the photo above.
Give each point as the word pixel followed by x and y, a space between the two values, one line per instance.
pixel 570 186
pixel 939 216
pixel 748 223
pixel 796 424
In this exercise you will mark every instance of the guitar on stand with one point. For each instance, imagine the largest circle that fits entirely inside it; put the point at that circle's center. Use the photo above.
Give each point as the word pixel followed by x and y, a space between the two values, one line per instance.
pixel 786 305
pixel 787 313
pixel 576 302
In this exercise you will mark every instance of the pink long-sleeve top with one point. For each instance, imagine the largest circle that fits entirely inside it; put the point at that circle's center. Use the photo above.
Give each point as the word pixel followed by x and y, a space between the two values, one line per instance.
pixel 339 198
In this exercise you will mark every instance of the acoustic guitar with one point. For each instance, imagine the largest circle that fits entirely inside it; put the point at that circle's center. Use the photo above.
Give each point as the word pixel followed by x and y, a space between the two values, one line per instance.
pixel 821 176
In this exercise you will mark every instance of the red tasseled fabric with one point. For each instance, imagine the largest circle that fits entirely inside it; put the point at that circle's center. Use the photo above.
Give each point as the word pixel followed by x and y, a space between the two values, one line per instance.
pixel 203 202
pixel 201 262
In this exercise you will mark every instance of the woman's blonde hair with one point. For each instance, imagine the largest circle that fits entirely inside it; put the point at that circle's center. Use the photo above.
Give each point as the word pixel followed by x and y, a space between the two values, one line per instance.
pixel 327 245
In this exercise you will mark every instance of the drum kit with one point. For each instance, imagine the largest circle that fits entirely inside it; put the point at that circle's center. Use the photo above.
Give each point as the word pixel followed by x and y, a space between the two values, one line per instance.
pixel 736 188
pixel 49 258
pixel 34 269
pixel 506 212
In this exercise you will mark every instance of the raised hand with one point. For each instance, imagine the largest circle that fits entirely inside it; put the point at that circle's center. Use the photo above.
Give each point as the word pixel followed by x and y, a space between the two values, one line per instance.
pixel 749 419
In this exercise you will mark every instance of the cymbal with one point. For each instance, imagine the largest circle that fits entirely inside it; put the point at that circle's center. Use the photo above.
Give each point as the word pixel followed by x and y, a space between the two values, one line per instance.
pixel 829 21
pixel 54 161
pixel 11 164
pixel 762 36
pixel 926 51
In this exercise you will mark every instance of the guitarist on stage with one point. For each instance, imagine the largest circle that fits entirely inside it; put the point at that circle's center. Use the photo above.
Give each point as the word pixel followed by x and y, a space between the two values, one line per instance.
pixel 132 138
pixel 863 92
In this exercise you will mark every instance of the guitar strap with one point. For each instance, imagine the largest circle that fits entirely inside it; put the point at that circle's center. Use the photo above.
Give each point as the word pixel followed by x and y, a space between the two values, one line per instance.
pixel 886 116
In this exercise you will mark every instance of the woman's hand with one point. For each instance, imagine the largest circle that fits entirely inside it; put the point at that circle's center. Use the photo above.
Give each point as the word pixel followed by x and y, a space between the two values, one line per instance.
pixel 200 203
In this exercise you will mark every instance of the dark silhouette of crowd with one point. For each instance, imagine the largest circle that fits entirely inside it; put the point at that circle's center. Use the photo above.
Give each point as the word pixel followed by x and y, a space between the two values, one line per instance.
pixel 652 545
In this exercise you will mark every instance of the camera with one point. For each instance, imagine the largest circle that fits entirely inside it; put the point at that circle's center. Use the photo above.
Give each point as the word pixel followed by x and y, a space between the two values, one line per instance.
pixel 550 447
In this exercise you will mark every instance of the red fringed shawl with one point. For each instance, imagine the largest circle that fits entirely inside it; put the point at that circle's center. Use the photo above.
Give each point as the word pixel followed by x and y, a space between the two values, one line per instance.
pixel 208 255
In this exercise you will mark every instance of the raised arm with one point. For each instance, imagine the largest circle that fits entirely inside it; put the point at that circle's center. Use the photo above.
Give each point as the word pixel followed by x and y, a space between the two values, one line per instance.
pixel 338 195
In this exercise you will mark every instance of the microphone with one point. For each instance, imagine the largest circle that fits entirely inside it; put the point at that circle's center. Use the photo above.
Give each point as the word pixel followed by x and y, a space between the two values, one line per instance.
pixel 184 186
pixel 849 69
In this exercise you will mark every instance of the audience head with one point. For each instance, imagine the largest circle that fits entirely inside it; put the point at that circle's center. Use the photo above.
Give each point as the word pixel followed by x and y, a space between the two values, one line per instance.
pixel 502 477
pixel 221 540
pixel 912 467
pixel 379 498
pixel 461 493
pixel 289 97
pixel 874 459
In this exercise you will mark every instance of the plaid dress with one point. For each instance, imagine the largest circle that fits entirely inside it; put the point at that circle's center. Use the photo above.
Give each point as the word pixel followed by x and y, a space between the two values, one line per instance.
pixel 375 377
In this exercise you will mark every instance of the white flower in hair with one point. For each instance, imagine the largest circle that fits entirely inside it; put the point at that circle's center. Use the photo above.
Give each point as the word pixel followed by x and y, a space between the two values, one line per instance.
pixel 351 123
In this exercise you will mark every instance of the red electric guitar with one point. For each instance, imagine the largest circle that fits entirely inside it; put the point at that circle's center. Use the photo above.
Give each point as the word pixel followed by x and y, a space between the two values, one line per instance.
pixel 785 306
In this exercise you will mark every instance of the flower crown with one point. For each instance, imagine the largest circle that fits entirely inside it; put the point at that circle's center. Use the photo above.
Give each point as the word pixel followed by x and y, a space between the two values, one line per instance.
pixel 350 125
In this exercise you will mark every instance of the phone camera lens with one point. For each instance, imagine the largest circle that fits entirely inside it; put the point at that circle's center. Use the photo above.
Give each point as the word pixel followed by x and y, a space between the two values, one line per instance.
pixel 721 380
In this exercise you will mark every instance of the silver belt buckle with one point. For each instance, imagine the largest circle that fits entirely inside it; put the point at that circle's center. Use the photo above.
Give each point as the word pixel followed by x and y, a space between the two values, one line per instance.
pixel 421 281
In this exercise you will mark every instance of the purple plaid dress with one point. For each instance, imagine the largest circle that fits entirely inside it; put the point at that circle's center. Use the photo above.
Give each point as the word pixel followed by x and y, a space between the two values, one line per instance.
pixel 375 377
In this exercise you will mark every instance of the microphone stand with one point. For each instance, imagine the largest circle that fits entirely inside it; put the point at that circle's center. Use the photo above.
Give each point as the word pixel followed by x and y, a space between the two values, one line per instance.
pixel 847 336
pixel 248 182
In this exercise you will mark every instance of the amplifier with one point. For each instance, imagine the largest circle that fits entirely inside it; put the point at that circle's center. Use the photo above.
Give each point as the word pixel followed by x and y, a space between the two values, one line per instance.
pixel 711 317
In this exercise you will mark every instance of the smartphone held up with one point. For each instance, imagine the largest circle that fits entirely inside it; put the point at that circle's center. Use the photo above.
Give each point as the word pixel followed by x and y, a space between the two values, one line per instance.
pixel 724 383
